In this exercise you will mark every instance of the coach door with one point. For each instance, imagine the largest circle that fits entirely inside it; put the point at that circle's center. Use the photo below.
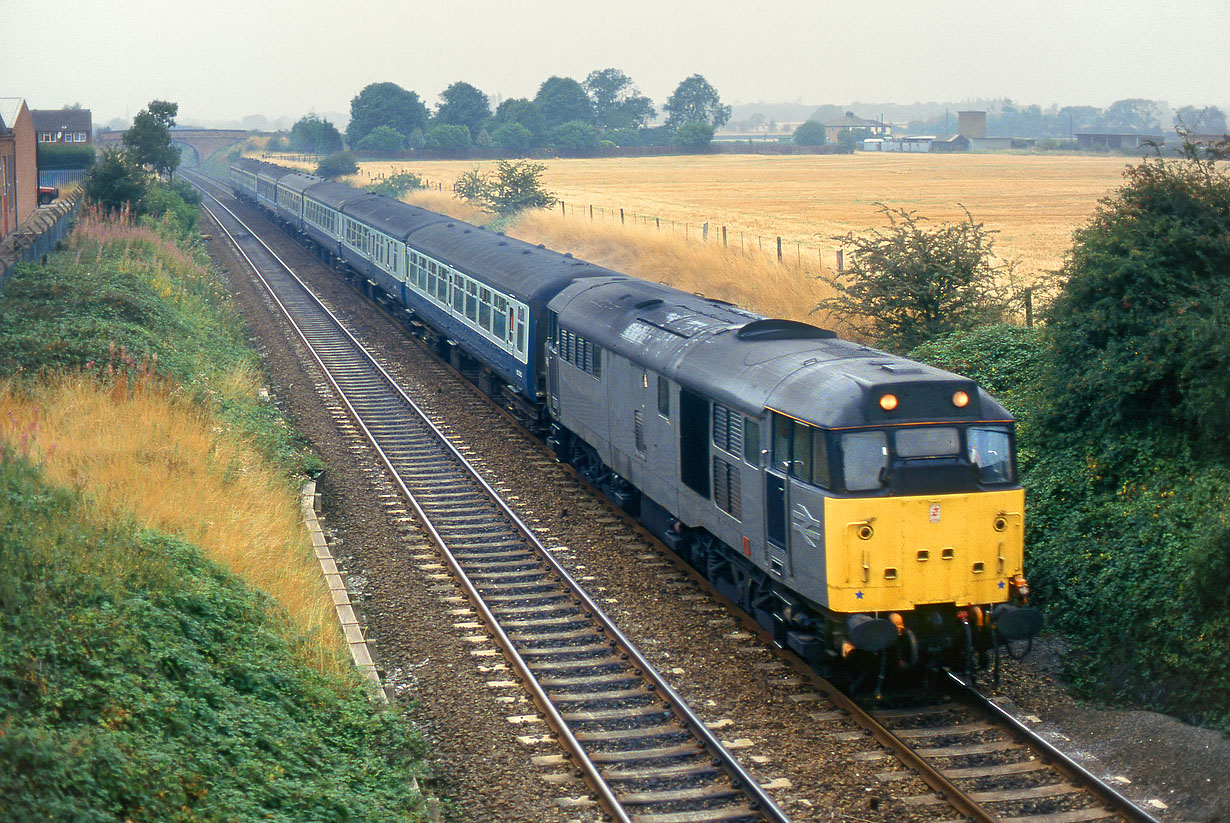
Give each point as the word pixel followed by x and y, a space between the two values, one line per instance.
pixel 777 498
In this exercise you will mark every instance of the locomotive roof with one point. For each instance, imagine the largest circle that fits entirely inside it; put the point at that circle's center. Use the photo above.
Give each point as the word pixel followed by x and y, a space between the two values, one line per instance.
pixel 751 363
pixel 517 268
pixel 393 217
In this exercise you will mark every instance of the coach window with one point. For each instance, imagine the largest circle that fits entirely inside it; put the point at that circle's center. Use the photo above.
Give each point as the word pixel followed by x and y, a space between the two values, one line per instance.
pixel 499 318
pixel 664 397
pixel 472 301
pixel 484 308
pixel 459 293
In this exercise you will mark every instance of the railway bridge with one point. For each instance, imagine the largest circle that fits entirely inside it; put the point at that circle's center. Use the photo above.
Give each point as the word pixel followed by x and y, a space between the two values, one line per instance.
pixel 200 143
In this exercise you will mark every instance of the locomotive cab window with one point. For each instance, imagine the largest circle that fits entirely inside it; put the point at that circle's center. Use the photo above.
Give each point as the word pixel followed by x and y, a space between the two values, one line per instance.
pixel 864 460
pixel 664 397
pixel 800 450
pixel 990 449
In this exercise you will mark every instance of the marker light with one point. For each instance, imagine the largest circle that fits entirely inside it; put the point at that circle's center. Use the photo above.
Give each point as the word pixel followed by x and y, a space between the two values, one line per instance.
pixel 960 399
pixel 888 402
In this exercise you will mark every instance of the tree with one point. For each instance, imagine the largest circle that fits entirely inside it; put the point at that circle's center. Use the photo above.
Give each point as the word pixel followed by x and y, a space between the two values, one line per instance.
pixel 524 112
pixel 382 138
pixel 562 99
pixel 618 103
pixel 517 186
pixel 313 135
pixel 512 137
pixel 809 133
pixel 148 141
pixel 339 164
pixel 384 104
pixel 116 182
pixel 574 137
pixel 849 139
pixel 1134 115
pixel 908 283
pixel 1208 120
pixel 693 135
pixel 446 137
pixel 463 105
pixel 695 101
pixel 1139 329
pixel 1077 118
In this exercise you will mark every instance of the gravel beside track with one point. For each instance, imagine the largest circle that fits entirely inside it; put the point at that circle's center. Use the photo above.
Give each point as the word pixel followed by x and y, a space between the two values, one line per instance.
pixel 795 744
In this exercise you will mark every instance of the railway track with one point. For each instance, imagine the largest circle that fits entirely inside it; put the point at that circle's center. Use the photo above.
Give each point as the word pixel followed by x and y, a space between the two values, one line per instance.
pixel 642 751
pixel 972 757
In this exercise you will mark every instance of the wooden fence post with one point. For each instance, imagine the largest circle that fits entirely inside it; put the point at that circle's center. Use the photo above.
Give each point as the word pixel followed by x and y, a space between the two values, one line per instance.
pixel 591 211
pixel 1029 308
pixel 723 235
pixel 621 215
pixel 841 260
pixel 657 221
pixel 779 249
pixel 704 232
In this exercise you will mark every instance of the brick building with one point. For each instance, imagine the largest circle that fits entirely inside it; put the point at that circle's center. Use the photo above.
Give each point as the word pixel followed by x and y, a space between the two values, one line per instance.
pixel 63 125
pixel 18 164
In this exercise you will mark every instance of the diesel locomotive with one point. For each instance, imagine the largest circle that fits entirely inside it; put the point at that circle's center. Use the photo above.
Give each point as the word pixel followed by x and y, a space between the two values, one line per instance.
pixel 859 505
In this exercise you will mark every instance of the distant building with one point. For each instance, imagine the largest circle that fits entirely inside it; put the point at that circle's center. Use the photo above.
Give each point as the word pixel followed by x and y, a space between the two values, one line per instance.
pixel 18 164
pixel 972 124
pixel 63 125
pixel 953 144
pixel 915 144
pixel 1117 140
pixel 869 128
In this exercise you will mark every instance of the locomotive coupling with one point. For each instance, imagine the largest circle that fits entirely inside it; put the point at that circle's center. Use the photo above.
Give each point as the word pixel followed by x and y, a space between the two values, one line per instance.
pixel 870 634
pixel 1017 622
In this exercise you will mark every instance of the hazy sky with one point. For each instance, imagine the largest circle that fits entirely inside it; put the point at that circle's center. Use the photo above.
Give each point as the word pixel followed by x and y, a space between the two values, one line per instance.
pixel 223 59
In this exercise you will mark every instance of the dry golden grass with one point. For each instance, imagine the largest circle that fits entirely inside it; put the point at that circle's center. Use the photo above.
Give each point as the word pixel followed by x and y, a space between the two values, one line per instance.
pixel 1033 201
pixel 750 280
pixel 135 450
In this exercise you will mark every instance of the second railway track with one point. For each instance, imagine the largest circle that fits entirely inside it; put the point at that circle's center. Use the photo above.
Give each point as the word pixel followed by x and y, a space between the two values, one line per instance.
pixel 641 750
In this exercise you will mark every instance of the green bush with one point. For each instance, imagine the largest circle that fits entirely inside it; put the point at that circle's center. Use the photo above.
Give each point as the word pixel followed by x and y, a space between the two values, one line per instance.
pixel 55 156
pixel 447 137
pixel 693 136
pixel 809 133
pixel 574 137
pixel 339 164
pixel 513 138
pixel 910 282
pixel 396 185
pixel 382 138
pixel 1139 329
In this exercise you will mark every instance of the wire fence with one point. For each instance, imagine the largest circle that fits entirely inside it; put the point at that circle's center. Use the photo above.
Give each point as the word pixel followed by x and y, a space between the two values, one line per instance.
pixel 785 249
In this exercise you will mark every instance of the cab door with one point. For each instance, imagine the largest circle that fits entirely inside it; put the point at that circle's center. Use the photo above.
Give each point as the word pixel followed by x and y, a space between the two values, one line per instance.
pixel 777 498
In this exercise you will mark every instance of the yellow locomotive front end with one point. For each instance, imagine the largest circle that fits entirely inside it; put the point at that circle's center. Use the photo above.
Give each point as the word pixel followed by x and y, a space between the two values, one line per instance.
pixel 896 554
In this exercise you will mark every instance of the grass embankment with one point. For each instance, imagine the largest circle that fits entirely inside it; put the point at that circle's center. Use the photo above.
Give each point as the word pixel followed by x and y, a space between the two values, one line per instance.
pixel 168 650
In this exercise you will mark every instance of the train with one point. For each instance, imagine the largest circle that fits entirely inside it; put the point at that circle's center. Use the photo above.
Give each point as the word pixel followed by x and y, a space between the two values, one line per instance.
pixel 863 508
